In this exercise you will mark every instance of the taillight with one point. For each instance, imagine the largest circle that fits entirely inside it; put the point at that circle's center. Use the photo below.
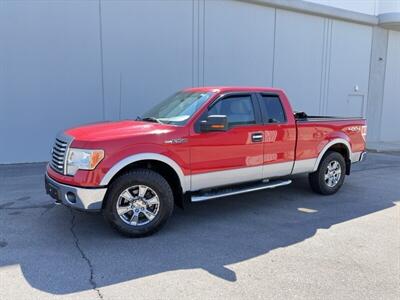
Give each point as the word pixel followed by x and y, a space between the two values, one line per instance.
pixel 364 132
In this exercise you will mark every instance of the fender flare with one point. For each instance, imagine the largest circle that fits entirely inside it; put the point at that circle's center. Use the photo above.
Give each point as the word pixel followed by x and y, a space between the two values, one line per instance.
pixel 327 146
pixel 184 180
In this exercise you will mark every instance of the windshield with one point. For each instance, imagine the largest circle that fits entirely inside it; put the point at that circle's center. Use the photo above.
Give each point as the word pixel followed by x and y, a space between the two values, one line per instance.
pixel 178 108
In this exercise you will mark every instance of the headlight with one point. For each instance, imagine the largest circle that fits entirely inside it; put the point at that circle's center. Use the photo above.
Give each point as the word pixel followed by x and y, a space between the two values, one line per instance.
pixel 83 159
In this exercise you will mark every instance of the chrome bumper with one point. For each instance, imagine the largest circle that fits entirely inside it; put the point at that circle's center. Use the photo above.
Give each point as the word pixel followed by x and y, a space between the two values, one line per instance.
pixel 363 156
pixel 75 197
pixel 358 156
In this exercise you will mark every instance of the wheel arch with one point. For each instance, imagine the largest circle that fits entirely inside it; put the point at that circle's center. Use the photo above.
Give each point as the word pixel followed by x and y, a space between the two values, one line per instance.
pixel 162 164
pixel 339 145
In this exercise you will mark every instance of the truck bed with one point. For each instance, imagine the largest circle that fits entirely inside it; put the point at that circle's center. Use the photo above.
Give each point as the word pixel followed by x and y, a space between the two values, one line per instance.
pixel 313 132
pixel 303 117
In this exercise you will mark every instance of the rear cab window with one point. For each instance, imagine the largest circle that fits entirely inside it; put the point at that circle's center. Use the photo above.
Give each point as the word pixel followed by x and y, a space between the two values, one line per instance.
pixel 272 109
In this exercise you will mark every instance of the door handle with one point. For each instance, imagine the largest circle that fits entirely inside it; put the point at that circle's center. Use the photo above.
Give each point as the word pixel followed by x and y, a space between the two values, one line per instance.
pixel 257 137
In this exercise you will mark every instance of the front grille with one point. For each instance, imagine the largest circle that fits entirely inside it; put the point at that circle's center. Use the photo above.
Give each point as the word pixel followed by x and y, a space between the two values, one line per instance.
pixel 58 154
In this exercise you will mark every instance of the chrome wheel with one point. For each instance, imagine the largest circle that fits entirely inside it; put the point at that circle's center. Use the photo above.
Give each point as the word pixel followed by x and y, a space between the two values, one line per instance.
pixel 333 173
pixel 138 205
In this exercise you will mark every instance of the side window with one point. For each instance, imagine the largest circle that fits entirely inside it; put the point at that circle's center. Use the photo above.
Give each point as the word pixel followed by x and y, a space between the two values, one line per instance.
pixel 238 109
pixel 273 110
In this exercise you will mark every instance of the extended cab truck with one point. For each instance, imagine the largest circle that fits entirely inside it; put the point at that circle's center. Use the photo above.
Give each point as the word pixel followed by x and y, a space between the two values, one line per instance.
pixel 199 144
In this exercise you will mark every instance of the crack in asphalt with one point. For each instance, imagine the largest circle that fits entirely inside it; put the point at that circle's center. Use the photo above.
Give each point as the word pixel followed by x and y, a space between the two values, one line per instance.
pixel 47 210
pixel 84 257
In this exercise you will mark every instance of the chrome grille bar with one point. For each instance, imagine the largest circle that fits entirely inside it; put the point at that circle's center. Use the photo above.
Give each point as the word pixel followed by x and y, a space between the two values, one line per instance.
pixel 59 153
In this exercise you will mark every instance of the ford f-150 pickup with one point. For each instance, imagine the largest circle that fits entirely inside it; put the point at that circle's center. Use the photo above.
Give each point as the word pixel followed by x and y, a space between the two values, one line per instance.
pixel 199 144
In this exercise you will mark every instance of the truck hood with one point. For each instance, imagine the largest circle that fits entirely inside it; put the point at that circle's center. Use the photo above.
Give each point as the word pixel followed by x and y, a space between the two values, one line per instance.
pixel 117 130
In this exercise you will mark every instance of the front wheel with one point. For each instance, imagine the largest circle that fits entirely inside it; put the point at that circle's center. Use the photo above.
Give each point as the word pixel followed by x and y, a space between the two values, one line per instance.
pixel 139 203
pixel 330 174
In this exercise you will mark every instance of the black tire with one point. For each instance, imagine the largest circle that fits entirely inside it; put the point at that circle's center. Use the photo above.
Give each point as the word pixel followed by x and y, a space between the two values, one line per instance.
pixel 155 182
pixel 317 179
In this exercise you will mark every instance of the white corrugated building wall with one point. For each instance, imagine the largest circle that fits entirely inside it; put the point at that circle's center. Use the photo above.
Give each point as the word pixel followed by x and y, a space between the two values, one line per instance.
pixel 64 63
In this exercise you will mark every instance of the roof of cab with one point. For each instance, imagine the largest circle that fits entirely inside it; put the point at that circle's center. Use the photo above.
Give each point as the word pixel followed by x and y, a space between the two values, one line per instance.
pixel 224 89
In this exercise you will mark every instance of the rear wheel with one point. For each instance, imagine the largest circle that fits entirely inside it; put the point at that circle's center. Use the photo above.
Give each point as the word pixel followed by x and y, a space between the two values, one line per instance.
pixel 330 174
pixel 139 203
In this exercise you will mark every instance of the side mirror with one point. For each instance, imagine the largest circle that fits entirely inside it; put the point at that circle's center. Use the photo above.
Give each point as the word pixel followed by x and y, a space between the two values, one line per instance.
pixel 214 123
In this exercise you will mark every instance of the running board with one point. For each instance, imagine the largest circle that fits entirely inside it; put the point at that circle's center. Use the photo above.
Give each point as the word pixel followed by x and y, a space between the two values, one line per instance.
pixel 238 190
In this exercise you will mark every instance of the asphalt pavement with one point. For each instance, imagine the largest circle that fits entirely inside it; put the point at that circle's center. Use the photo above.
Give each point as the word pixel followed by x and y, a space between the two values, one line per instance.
pixel 274 244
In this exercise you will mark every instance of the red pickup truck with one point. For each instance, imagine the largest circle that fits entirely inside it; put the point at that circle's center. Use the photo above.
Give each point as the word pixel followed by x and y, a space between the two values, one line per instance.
pixel 199 144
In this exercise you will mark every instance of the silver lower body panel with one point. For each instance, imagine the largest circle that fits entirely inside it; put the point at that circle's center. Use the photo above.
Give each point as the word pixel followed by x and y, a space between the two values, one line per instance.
pixel 236 190
pixel 89 199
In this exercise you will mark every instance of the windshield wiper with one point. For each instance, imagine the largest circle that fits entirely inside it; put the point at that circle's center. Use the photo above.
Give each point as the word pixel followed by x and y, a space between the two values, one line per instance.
pixel 149 119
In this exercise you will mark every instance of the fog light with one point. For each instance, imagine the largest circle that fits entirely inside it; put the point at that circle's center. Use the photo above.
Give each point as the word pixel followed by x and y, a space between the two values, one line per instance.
pixel 71 197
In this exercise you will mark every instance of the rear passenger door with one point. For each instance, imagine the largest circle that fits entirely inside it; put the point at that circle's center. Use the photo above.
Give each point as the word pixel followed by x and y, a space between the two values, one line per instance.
pixel 232 156
pixel 279 137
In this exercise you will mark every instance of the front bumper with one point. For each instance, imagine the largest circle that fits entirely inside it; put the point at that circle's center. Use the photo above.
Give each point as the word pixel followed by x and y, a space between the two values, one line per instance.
pixel 90 199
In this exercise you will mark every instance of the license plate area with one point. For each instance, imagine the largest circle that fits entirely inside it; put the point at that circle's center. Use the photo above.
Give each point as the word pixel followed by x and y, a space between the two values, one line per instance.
pixel 52 190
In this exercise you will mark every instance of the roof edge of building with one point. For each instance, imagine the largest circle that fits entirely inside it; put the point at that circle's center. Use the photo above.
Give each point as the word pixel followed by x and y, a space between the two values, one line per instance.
pixel 318 10
pixel 390 20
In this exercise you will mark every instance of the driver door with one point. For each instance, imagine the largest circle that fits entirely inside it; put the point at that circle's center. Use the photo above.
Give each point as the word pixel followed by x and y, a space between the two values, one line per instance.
pixel 224 157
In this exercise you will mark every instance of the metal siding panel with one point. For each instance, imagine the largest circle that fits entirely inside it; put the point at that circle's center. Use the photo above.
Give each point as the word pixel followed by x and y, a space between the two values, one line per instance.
pixel 376 83
pixel 298 58
pixel 147 48
pixel 239 40
pixel 51 74
pixel 349 67
pixel 391 100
